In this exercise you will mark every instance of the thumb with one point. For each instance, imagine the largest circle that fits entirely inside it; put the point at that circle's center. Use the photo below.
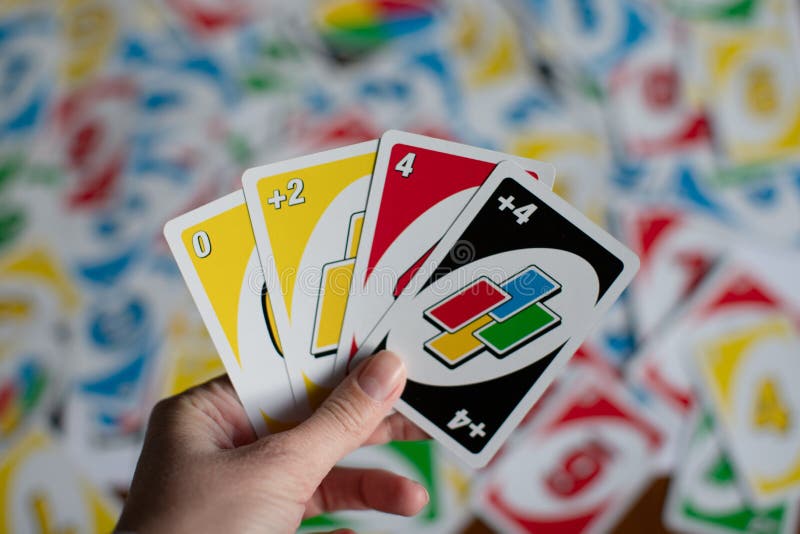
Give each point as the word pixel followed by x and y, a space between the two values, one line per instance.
pixel 349 415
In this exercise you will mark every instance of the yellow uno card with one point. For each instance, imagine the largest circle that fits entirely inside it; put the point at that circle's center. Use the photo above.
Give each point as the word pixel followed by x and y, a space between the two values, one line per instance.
pixel 307 214
pixel 749 377
pixel 756 105
pixel 192 356
pixel 42 491
pixel 216 253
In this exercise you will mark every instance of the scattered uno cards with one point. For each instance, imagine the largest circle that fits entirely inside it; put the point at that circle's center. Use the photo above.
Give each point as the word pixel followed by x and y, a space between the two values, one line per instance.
pixel 577 463
pixel 732 298
pixel 677 249
pixel 42 490
pixel 748 377
pixel 707 495
pixel 685 113
pixel 337 260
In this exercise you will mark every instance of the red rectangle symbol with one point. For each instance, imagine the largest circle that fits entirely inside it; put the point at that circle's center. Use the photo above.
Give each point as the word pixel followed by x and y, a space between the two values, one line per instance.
pixel 463 307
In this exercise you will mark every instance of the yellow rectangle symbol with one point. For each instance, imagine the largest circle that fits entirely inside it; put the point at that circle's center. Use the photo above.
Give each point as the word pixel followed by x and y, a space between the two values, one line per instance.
pixel 454 347
pixel 354 234
pixel 332 301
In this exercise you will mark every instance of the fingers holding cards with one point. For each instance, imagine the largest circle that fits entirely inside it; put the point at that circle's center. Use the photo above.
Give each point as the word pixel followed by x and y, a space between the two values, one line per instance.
pixel 459 259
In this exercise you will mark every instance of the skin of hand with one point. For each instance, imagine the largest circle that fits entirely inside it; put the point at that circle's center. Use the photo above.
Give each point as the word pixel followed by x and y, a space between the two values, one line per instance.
pixel 203 469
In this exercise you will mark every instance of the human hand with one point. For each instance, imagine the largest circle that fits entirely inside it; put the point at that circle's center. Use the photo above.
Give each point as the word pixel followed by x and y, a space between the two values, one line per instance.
pixel 202 467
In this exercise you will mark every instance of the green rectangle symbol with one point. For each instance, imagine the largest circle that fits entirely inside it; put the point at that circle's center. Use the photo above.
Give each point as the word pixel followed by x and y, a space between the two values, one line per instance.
pixel 503 336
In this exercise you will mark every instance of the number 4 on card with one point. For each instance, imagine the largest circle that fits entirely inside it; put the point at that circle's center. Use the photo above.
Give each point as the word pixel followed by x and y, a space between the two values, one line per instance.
pixel 461 419
pixel 406 165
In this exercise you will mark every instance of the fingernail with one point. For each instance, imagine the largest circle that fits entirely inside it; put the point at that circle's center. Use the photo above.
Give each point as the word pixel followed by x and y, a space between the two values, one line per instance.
pixel 427 495
pixel 381 375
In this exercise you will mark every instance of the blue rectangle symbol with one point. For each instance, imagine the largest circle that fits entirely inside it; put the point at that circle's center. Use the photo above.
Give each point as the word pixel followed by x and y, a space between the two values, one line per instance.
pixel 525 288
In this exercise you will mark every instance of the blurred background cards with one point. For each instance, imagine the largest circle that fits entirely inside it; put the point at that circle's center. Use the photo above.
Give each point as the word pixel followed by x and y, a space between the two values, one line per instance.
pixel 672 123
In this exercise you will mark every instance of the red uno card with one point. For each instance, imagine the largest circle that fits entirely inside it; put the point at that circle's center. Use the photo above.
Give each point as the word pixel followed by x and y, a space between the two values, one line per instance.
pixel 418 187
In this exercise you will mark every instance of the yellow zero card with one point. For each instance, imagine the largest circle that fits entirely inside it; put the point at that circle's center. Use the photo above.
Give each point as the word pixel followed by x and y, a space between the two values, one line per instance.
pixel 216 253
